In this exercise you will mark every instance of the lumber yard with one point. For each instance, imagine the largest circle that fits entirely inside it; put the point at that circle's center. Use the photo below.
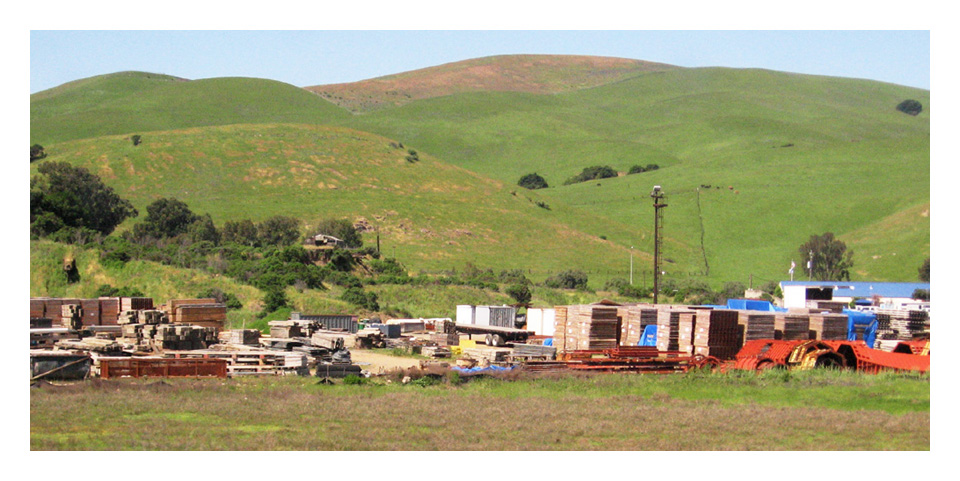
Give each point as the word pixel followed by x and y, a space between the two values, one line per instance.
pixel 131 337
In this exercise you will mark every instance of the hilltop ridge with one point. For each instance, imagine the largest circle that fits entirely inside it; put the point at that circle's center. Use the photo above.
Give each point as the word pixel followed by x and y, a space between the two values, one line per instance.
pixel 541 74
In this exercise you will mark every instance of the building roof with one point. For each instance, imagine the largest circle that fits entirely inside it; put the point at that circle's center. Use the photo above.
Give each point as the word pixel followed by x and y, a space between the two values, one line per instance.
pixel 863 289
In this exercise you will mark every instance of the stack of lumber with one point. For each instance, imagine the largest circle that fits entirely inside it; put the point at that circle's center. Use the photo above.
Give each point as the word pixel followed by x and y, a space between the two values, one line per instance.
pixel 435 351
pixel 668 326
pixel 252 361
pixel 757 325
pixel 198 312
pixel 143 317
pixel 246 337
pixel 41 323
pixel 445 326
pixel 560 327
pixel 686 325
pixel 902 324
pixel 71 316
pixel 828 327
pixel 91 344
pixel 91 311
pixel 830 306
pixel 285 329
pixel 371 337
pixel 533 351
pixel 791 327
pixel 329 340
pixel 589 327
pixel 718 333
pixel 490 356
pixel 136 303
pixel 180 337
pixel 109 310
pixel 634 320
pixel 443 339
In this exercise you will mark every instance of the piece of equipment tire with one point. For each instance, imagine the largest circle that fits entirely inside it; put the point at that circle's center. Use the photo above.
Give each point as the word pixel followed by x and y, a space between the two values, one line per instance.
pixel 489 340
pixel 498 341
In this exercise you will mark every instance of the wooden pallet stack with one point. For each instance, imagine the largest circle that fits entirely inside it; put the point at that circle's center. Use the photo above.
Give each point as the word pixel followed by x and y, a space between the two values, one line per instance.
pixel 245 337
pixel 828 327
pixel 668 326
pixel 489 356
pixel 686 330
pixel 634 320
pixel 199 312
pixel 589 327
pixel 829 306
pixel 136 303
pixel 71 316
pixel 109 310
pixel 791 327
pixel 718 333
pixel 757 325
pixel 902 324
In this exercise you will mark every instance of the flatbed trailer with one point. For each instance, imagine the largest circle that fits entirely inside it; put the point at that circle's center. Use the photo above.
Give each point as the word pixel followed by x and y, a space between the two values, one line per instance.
pixel 495 335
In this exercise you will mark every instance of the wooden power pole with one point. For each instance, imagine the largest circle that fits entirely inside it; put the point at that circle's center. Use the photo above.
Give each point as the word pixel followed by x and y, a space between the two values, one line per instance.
pixel 658 206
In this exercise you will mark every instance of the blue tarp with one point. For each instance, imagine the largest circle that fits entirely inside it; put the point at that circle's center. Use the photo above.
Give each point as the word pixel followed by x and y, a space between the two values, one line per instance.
pixel 482 369
pixel 752 305
pixel 649 337
pixel 548 342
pixel 866 320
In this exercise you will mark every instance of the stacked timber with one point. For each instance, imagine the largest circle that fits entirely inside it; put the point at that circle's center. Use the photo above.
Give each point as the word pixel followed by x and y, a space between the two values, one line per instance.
pixel 285 329
pixel 90 344
pixel 791 327
pixel 560 327
pixel 831 306
pixel 902 324
pixel 180 337
pixel 136 303
pixel 686 325
pixel 91 312
pixel 198 312
pixel 828 327
pixel 718 333
pixel 533 351
pixel 757 325
pixel 589 327
pixel 634 320
pixel 109 311
pixel 151 316
pixel 668 326
pixel 488 356
pixel 71 316
pixel 442 339
pixel 245 337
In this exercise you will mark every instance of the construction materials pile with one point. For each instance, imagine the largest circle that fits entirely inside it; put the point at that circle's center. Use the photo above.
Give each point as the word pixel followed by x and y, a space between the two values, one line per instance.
pixel 634 320
pixel 902 324
pixel 147 331
pixel 668 326
pixel 198 312
pixel 757 325
pixel 718 333
pixel 791 327
pixel 586 327
pixel 828 327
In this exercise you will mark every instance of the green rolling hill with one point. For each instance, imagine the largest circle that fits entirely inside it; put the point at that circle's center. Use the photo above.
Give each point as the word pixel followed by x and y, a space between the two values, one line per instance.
pixel 784 155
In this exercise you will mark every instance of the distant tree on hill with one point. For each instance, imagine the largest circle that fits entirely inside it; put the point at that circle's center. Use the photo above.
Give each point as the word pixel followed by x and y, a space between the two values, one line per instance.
pixel 533 181
pixel 36 152
pixel 574 279
pixel 831 259
pixel 136 140
pixel 591 173
pixel 920 295
pixel 243 232
pixel 637 169
pixel 165 218
pixel 910 107
pixel 521 294
pixel 278 231
pixel 61 194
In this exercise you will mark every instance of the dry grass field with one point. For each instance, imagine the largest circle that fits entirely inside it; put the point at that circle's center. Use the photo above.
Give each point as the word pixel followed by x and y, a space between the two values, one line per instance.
pixel 776 412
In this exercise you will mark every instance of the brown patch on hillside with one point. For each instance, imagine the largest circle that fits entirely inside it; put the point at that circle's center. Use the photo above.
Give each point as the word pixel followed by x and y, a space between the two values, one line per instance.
pixel 540 74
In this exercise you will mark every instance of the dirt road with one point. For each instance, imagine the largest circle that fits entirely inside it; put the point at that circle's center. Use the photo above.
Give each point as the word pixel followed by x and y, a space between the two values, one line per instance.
pixel 378 363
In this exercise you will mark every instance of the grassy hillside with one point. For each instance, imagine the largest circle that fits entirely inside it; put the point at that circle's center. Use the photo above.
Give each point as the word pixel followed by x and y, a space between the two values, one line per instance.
pixel 430 215
pixel 784 155
pixel 803 155
pixel 544 74
pixel 137 102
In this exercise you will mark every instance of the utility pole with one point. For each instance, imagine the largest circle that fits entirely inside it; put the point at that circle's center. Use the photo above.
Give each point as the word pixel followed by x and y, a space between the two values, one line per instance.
pixel 658 206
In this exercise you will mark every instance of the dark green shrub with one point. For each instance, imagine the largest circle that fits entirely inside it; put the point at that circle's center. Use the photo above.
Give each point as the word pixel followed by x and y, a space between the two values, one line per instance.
pixel 636 169
pixel 358 297
pixel 910 107
pixel 591 173
pixel 77 197
pixel 533 181
pixel 573 279
pixel 36 152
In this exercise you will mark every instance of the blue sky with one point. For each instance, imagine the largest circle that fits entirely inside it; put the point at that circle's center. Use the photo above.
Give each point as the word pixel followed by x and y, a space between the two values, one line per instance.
pixel 315 57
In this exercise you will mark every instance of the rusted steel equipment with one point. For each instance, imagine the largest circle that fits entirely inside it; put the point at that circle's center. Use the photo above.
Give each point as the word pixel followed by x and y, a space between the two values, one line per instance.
pixel 802 355
pixel 626 359
pixel 161 367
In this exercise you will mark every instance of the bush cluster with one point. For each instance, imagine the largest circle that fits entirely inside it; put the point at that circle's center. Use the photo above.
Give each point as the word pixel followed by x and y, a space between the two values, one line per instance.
pixel 591 173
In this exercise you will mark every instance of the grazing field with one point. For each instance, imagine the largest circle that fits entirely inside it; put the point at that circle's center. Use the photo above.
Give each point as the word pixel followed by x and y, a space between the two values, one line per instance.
pixel 777 410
